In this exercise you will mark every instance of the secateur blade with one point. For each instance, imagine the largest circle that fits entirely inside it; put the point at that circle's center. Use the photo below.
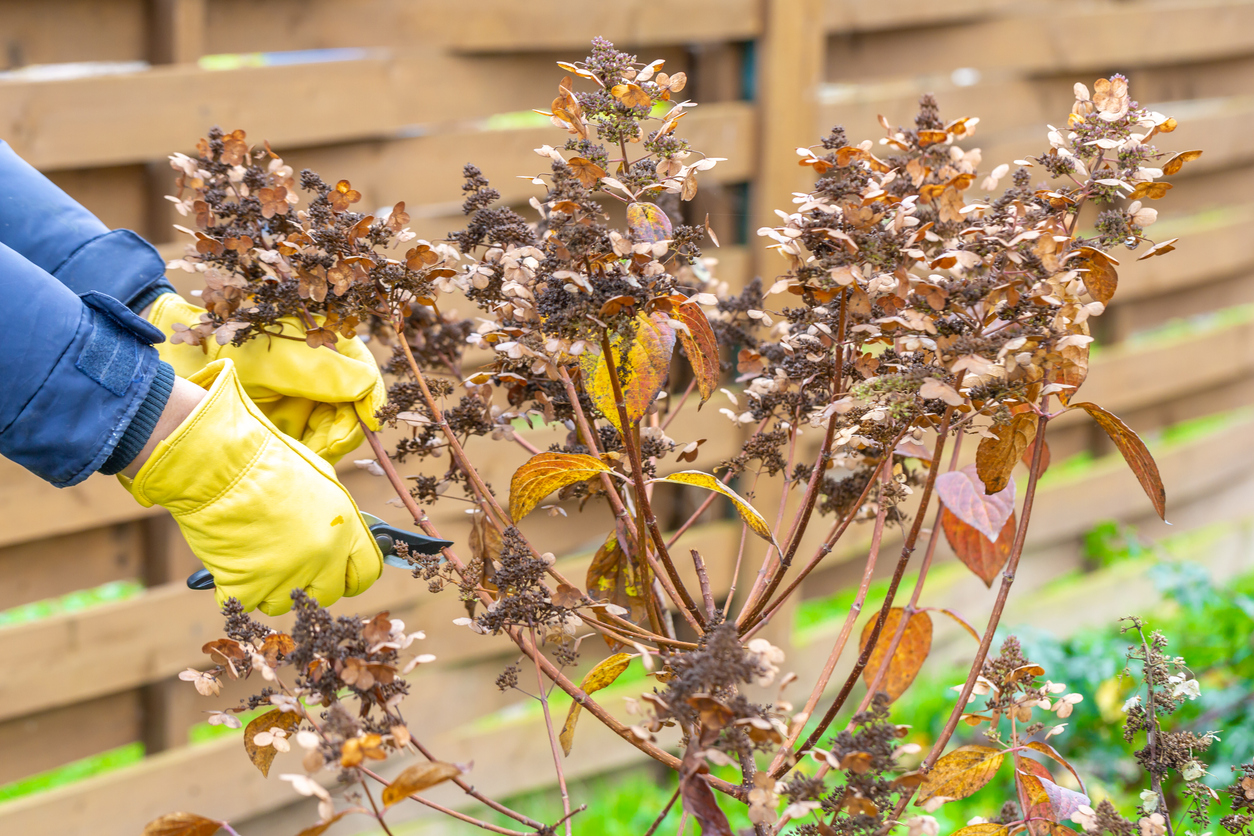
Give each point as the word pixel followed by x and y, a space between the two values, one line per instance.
pixel 385 535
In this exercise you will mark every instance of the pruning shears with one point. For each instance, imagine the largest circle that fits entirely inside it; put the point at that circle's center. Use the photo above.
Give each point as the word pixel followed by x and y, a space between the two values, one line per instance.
pixel 385 535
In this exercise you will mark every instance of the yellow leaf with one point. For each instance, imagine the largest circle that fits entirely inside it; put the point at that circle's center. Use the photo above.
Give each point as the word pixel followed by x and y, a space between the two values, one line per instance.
pixel 263 756
pixel 547 472
pixel 961 773
pixel 182 824
pixel 747 513
pixel 987 828
pixel 417 778
pixel 642 368
pixel 701 347
pixel 602 676
pixel 911 652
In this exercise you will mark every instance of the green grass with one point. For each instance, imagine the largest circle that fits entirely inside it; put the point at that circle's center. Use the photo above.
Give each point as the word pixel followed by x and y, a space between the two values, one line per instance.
pixel 128 755
pixel 71 602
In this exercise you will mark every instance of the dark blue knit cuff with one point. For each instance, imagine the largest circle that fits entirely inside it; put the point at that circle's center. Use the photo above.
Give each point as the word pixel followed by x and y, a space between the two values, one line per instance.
pixel 150 295
pixel 144 422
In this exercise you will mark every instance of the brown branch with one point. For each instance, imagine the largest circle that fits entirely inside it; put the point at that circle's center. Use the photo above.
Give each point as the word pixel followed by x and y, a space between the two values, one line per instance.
pixel 377 814
pixel 543 697
pixel 907 549
pixel 932 540
pixel 675 412
pixel 747 616
pixel 448 811
pixel 684 600
pixel 1003 592
pixel 707 597
pixel 846 629
pixel 478 796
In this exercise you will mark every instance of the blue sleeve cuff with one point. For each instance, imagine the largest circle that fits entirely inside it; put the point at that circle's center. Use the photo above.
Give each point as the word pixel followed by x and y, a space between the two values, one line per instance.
pixel 150 295
pixel 144 422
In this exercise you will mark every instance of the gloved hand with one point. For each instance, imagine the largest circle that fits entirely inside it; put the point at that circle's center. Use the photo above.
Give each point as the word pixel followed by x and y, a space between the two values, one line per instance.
pixel 260 510
pixel 311 394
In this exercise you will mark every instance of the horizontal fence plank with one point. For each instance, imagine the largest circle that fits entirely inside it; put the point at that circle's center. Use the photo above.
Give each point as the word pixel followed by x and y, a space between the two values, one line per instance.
pixel 39 569
pixel 60 31
pixel 52 738
pixel 495 25
pixel 1053 36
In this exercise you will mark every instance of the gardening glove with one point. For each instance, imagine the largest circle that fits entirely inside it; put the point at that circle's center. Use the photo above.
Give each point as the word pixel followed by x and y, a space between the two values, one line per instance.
pixel 314 395
pixel 261 511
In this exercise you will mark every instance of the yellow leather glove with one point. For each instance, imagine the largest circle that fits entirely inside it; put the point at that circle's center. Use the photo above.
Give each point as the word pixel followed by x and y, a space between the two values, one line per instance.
pixel 315 395
pixel 260 510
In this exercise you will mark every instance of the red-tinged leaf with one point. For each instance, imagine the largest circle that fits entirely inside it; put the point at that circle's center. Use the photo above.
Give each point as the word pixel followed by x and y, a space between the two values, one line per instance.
pixel 1031 451
pixel 962 492
pixel 642 367
pixel 648 222
pixel 1033 799
pixel 979 554
pixel 263 756
pixel 996 457
pixel 182 824
pixel 912 650
pixel 1062 801
pixel 544 473
pixel 701 346
pixel 1134 453
pixel 1052 753
pixel 700 803
pixel 961 773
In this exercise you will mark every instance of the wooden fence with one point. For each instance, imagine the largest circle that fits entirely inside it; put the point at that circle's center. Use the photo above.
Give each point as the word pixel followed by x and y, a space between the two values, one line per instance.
pixel 395 95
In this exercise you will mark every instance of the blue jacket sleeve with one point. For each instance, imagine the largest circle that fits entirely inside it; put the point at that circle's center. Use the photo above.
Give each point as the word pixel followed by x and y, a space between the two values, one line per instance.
pixel 49 228
pixel 82 385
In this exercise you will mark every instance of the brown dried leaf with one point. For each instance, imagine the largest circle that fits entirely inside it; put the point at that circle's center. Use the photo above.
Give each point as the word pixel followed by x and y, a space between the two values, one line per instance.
pixel 417 778
pixel 1134 453
pixel 1099 276
pixel 182 824
pixel 322 826
pixel 631 95
pixel 977 552
pixel 263 756
pixel 916 643
pixel 962 492
pixel 1177 162
pixel 996 458
pixel 1161 248
pixel 1152 190
pixel 601 676
pixel 544 473
pixel 588 172
pixel 961 773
